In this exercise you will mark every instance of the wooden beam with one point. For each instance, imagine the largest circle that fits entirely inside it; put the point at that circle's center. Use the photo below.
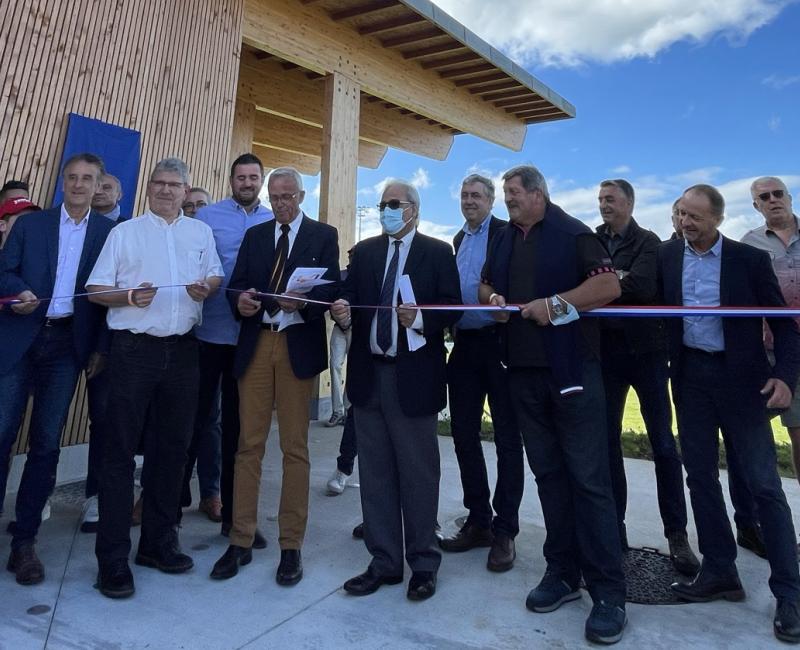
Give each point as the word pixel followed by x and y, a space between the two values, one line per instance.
pixel 475 81
pixel 490 88
pixel 505 94
pixel 296 137
pixel 272 158
pixel 337 197
pixel 450 60
pixel 362 10
pixel 414 37
pixel 303 100
pixel 327 46
pixel 532 99
pixel 389 25
pixel 243 125
pixel 556 115
pixel 464 72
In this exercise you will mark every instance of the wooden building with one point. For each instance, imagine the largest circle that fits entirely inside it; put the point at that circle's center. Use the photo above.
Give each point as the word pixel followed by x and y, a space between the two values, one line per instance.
pixel 321 85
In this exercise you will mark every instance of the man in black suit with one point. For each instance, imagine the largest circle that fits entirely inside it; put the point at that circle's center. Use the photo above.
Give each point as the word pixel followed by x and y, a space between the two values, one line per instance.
pixel 475 371
pixel 396 381
pixel 277 365
pixel 722 380
pixel 46 343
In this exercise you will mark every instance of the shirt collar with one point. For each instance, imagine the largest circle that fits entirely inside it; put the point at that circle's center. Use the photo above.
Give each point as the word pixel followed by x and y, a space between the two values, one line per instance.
pixel 611 234
pixel 65 216
pixel 252 211
pixel 294 224
pixel 113 214
pixel 484 225
pixel 161 222
pixel 715 250
pixel 796 228
pixel 405 239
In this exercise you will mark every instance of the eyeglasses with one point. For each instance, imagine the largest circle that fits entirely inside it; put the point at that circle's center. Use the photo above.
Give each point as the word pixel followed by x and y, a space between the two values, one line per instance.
pixel 282 198
pixel 160 185
pixel 778 194
pixel 393 204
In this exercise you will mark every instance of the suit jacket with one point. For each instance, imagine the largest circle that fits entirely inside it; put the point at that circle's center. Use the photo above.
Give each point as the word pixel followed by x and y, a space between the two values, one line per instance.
pixel 28 262
pixel 421 375
pixel 494 225
pixel 316 245
pixel 746 280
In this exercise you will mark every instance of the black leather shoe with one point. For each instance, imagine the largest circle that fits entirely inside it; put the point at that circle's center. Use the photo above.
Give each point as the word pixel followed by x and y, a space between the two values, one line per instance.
pixel 681 555
pixel 115 580
pixel 502 554
pixel 750 538
pixel 228 565
pixel 422 585
pixel 259 541
pixel 470 536
pixel 786 624
pixel 166 557
pixel 369 582
pixel 707 587
pixel 358 531
pixel 290 569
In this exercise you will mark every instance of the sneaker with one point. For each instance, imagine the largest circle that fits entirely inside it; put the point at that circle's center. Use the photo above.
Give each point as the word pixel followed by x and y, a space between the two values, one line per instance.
pixel 552 592
pixel 606 623
pixel 337 483
pixel 336 420
pixel 91 515
pixel 786 624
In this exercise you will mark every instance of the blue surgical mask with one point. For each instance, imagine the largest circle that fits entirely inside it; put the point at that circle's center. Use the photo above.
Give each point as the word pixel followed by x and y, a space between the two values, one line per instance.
pixel 392 220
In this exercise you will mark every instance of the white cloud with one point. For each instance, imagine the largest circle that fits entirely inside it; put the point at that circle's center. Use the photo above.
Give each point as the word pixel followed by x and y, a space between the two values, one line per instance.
pixel 779 82
pixel 421 180
pixel 655 195
pixel 774 123
pixel 622 169
pixel 572 32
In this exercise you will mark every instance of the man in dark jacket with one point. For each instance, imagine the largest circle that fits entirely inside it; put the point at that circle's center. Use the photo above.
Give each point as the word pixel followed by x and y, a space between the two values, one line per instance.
pixel 635 355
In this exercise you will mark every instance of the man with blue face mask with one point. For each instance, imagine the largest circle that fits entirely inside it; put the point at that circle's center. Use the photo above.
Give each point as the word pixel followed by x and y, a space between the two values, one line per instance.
pixel 397 384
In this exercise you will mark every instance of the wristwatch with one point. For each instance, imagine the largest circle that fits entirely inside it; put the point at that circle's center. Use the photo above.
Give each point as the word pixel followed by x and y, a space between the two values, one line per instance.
pixel 557 306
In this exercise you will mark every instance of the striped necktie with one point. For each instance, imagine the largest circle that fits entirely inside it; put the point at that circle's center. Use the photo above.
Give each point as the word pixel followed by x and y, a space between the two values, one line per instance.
pixel 383 332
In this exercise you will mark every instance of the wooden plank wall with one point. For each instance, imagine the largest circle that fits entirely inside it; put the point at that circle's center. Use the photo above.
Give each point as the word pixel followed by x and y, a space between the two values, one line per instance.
pixel 167 68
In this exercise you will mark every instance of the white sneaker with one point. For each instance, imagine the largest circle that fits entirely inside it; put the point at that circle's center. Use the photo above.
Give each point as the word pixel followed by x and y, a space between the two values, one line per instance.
pixel 337 483
pixel 91 515
pixel 46 510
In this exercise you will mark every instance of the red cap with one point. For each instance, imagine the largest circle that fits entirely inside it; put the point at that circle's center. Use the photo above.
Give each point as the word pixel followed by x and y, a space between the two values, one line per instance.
pixel 15 206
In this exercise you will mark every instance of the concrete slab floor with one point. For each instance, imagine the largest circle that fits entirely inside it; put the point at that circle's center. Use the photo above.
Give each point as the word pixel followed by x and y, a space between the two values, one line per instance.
pixel 472 608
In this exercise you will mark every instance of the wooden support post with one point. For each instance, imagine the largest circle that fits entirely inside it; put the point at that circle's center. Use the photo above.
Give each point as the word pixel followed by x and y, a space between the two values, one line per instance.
pixel 244 121
pixel 337 198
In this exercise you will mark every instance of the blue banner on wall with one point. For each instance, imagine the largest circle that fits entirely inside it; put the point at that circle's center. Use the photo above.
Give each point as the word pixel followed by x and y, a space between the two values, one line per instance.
pixel 117 146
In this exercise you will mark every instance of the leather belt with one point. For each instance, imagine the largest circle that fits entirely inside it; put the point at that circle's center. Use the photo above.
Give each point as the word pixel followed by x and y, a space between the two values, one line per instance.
pixel 706 353
pixel 270 327
pixel 58 322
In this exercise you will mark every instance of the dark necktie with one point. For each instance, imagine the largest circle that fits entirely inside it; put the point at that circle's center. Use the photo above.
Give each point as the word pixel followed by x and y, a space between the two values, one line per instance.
pixel 277 281
pixel 383 332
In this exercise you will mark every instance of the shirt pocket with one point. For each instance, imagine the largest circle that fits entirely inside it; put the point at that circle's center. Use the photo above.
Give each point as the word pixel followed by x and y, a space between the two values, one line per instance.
pixel 195 264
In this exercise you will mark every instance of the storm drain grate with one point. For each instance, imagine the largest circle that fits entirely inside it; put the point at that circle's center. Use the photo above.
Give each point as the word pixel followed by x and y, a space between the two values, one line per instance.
pixel 649 575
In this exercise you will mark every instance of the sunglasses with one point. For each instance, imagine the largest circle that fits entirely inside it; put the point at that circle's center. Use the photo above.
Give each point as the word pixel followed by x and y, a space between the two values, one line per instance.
pixel 393 204
pixel 778 194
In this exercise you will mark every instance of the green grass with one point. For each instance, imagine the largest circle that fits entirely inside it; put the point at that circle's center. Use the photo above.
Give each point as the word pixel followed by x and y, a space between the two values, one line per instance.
pixel 636 445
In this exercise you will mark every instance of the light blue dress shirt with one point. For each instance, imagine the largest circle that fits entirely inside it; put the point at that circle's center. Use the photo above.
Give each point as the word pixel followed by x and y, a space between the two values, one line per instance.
pixel 701 278
pixel 228 221
pixel 470 259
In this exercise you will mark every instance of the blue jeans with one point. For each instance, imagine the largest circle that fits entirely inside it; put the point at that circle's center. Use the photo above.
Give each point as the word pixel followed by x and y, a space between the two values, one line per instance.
pixel 708 400
pixel 567 448
pixel 49 370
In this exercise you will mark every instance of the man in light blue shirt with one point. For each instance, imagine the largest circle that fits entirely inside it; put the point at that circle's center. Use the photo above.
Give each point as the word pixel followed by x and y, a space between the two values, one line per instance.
pixel 218 332
pixel 475 371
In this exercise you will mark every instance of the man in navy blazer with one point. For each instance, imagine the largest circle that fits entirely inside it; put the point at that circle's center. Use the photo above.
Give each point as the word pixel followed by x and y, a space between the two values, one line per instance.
pixel 276 365
pixel 397 390
pixel 722 380
pixel 47 340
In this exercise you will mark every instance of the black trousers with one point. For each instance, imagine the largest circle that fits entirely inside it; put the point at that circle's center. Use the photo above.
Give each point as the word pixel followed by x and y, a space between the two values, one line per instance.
pixel 155 376
pixel 348 448
pixel 474 371
pixel 216 371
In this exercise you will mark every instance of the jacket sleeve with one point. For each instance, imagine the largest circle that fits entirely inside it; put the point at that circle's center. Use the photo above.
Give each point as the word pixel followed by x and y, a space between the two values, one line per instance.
pixel 639 286
pixel 787 336
pixel 11 283
pixel 239 276
pixel 329 258
pixel 448 292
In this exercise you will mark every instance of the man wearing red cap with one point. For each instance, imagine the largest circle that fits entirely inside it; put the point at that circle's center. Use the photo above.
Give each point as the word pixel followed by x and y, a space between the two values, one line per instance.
pixel 10 211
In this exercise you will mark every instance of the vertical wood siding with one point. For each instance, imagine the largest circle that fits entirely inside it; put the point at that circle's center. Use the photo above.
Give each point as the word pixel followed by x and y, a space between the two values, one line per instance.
pixel 167 68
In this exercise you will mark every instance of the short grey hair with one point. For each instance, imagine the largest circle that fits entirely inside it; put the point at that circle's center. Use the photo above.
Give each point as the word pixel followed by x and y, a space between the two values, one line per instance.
pixel 766 179
pixel 531 178
pixel 173 166
pixel 287 171
pixel 411 192
pixel 486 182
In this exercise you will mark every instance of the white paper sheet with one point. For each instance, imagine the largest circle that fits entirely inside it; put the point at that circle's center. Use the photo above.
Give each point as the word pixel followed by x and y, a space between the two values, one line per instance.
pixel 304 279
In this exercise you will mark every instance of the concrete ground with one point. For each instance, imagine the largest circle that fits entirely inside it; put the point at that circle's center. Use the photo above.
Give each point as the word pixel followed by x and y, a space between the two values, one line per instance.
pixel 472 608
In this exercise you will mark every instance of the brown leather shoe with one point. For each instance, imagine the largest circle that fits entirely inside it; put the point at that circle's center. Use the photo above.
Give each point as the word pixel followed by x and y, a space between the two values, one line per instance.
pixel 470 536
pixel 24 563
pixel 502 554
pixel 136 517
pixel 212 507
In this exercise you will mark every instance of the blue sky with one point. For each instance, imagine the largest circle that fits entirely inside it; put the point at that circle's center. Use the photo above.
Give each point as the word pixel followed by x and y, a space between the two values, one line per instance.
pixel 668 93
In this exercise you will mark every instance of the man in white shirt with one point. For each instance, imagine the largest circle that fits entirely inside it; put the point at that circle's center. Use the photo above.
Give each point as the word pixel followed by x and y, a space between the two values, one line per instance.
pixel 47 339
pixel 166 264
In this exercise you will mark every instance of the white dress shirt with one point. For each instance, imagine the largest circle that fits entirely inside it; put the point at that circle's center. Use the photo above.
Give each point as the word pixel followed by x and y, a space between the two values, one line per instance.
pixel 294 227
pixel 71 236
pixel 405 246
pixel 148 249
